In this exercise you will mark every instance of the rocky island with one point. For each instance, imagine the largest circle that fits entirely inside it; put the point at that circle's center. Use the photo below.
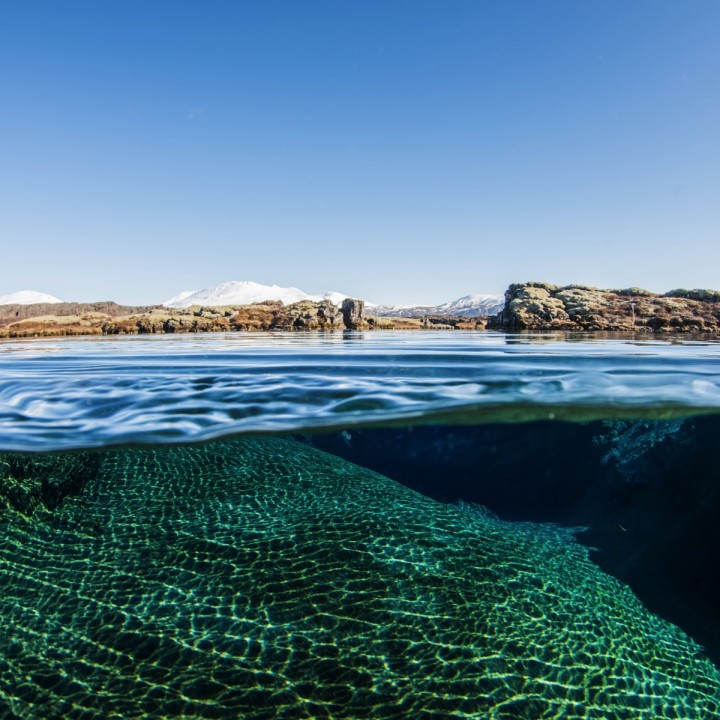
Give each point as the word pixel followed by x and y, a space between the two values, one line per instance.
pixel 531 306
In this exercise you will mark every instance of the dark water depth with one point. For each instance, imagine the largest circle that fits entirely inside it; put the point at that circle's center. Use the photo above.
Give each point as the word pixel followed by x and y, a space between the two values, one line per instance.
pixel 647 493
pixel 487 526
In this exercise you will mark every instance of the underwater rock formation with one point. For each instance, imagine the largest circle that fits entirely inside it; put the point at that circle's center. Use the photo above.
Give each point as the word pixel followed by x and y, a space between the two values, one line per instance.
pixel 31 482
pixel 263 578
pixel 646 491
pixel 542 306
pixel 640 449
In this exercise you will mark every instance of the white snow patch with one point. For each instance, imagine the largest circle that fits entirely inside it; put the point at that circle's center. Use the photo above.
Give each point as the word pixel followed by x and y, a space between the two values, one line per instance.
pixel 177 299
pixel 245 293
pixel 28 297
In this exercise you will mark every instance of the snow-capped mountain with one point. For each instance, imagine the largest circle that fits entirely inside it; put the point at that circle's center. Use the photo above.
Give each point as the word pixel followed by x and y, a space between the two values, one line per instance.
pixel 466 306
pixel 28 297
pixel 473 305
pixel 177 300
pixel 245 293
pixel 335 298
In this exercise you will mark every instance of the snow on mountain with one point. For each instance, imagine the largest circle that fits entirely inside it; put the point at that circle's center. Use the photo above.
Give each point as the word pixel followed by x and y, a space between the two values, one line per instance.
pixel 245 293
pixel 335 298
pixel 466 306
pixel 177 300
pixel 473 305
pixel 28 297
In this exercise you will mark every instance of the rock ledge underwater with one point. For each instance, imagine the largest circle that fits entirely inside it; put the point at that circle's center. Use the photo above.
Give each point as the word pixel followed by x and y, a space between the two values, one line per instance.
pixel 264 578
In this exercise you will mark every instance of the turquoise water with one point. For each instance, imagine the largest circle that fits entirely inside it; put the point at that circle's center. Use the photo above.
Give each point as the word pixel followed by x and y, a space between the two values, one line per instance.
pixel 419 525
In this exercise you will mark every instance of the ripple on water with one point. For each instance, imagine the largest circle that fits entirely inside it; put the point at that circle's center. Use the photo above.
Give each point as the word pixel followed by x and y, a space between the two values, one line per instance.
pixel 94 392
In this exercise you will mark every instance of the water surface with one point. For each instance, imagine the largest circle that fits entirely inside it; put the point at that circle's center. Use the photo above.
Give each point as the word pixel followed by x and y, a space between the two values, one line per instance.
pixel 90 392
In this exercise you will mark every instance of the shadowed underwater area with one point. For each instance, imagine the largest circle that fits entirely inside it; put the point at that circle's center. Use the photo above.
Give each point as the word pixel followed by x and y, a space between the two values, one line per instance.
pixel 263 578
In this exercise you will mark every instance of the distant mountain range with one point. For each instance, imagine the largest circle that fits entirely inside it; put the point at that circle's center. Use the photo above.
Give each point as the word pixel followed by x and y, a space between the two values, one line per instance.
pixel 466 306
pixel 27 297
pixel 246 293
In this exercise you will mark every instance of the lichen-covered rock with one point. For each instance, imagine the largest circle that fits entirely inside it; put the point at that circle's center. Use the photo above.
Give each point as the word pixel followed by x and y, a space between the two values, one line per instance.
pixel 541 306
pixel 308 315
pixel 702 295
pixel 530 304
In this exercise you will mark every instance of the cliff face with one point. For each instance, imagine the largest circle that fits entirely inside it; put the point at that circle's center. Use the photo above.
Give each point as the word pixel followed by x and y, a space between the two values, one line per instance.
pixel 541 306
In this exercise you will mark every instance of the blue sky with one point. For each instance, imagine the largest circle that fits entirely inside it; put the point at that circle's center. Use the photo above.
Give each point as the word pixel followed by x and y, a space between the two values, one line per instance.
pixel 398 150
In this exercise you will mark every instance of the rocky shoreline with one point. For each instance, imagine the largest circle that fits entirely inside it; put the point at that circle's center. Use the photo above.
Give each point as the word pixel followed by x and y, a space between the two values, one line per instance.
pixel 108 318
pixel 542 306
pixel 532 306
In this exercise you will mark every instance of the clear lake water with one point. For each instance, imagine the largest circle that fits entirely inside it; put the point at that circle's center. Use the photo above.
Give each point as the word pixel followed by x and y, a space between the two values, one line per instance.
pixel 360 525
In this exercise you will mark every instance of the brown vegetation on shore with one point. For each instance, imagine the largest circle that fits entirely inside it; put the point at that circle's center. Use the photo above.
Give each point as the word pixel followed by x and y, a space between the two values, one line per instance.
pixel 528 306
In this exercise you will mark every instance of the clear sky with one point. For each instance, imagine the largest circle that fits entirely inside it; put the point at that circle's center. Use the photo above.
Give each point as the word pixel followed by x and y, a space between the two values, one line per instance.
pixel 397 150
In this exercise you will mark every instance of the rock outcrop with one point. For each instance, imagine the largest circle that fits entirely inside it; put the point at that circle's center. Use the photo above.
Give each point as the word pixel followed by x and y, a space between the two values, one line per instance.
pixel 528 306
pixel 308 315
pixel 304 315
pixel 353 313
pixel 542 306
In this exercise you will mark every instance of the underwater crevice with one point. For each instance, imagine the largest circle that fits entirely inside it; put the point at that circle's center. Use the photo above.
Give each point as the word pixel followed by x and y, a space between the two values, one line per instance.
pixel 648 493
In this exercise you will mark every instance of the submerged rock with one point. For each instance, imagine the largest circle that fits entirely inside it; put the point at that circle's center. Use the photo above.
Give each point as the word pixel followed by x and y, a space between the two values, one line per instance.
pixel 29 482
pixel 640 449
pixel 263 578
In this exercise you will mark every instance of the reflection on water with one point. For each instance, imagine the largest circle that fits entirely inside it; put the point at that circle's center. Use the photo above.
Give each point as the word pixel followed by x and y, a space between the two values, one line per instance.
pixel 90 392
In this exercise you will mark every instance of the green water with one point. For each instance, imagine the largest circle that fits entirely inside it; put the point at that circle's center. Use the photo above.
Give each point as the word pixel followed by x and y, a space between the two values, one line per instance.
pixel 263 578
